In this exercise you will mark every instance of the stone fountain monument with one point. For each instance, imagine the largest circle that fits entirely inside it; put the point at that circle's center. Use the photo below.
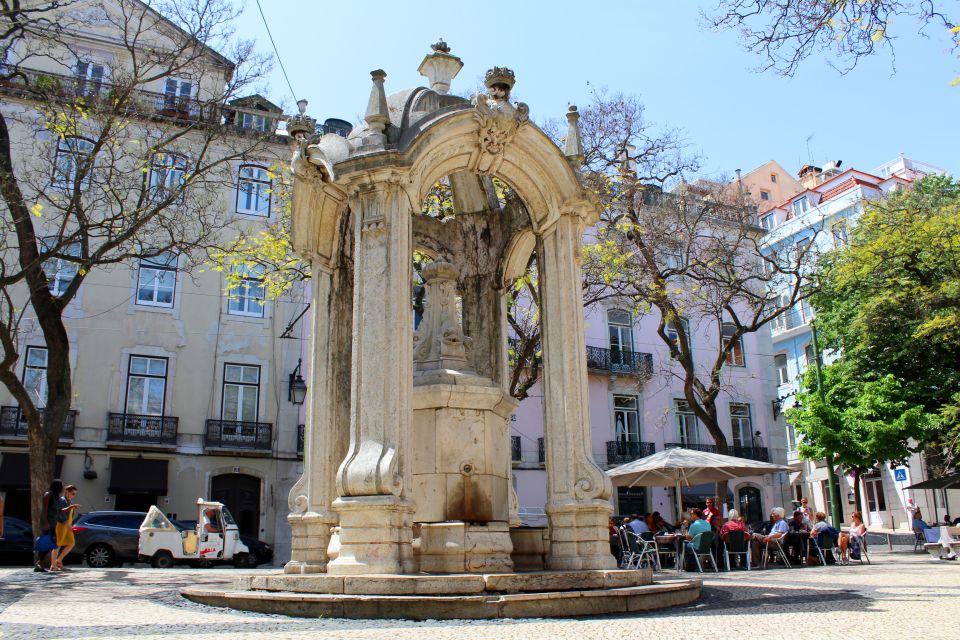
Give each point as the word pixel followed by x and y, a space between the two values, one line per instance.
pixel 406 507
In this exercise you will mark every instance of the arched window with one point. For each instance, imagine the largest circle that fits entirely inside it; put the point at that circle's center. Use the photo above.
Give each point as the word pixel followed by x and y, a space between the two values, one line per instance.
pixel 620 328
pixel 73 156
pixel 253 190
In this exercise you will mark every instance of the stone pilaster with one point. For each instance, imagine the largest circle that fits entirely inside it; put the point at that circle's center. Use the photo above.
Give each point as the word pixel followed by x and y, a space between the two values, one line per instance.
pixel 374 515
pixel 577 489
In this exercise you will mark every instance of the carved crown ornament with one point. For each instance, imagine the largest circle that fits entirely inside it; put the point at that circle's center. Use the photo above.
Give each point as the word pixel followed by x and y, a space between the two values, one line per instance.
pixel 498 120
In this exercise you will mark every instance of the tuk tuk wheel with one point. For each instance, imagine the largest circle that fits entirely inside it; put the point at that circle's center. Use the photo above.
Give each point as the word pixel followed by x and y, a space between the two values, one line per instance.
pixel 204 564
pixel 247 560
pixel 162 560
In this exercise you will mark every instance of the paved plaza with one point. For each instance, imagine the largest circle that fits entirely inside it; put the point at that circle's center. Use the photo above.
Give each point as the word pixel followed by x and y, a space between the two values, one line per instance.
pixel 900 595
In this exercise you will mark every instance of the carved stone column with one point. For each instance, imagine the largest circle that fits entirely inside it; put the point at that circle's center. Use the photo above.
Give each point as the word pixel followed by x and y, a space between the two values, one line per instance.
pixel 577 489
pixel 375 516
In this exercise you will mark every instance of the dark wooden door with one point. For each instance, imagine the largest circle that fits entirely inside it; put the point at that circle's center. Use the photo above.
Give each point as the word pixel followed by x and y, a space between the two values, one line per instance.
pixel 241 494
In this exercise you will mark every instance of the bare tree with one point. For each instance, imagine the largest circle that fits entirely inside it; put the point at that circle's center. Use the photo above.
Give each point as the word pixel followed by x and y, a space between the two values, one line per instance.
pixel 97 168
pixel 786 32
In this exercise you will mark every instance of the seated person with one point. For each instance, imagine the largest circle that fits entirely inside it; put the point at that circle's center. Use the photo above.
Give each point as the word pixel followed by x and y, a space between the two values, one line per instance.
pixel 821 529
pixel 637 525
pixel 211 523
pixel 698 525
pixel 918 522
pixel 660 525
pixel 797 522
pixel 851 542
pixel 733 524
pixel 778 529
pixel 947 522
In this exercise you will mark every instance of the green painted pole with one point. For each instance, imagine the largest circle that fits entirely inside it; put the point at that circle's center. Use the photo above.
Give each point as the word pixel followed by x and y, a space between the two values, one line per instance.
pixel 836 513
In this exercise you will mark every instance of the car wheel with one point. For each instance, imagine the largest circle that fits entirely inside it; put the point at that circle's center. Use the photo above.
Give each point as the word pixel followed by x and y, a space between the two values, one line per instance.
pixel 252 561
pixel 100 556
pixel 162 560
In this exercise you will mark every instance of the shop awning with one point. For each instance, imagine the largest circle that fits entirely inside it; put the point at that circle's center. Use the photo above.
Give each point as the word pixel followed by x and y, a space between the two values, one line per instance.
pixel 949 481
pixel 138 475
pixel 15 471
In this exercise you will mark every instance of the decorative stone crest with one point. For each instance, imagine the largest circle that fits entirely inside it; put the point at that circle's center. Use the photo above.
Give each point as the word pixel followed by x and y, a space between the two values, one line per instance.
pixel 499 119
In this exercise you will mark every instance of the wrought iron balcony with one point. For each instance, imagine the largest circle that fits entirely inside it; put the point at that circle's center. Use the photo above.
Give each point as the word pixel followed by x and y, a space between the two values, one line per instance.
pixel 14 425
pixel 619 452
pixel 618 361
pixel 300 432
pixel 541 451
pixel 233 434
pixel 142 429
pixel 29 83
pixel 515 451
pixel 708 448
pixel 753 453
pixel 791 319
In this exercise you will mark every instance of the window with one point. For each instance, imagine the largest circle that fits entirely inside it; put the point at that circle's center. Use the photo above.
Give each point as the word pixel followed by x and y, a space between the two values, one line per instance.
pixel 780 364
pixel 800 206
pixel 631 500
pixel 146 386
pixel 840 238
pixel 157 280
pixel 168 175
pixel 768 222
pixel 35 375
pixel 255 122
pixel 806 311
pixel 241 392
pixel 791 438
pixel 246 298
pixel 176 94
pixel 60 270
pixel 626 419
pixel 773 177
pixel 621 336
pixel 876 501
pixel 780 323
pixel 741 426
pixel 253 192
pixel 73 156
pixel 764 195
pixel 827 498
pixel 688 428
pixel 809 355
pixel 89 78
pixel 674 335
pixel 735 357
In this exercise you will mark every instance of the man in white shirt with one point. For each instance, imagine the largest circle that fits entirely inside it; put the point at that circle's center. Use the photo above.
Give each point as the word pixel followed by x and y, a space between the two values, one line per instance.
pixel 778 529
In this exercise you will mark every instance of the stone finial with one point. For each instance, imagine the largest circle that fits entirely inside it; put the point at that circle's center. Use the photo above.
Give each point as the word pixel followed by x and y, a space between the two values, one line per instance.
pixel 573 146
pixel 378 115
pixel 301 125
pixel 439 67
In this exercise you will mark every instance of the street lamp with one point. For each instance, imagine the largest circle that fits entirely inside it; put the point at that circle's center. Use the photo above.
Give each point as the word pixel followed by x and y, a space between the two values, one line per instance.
pixel 298 388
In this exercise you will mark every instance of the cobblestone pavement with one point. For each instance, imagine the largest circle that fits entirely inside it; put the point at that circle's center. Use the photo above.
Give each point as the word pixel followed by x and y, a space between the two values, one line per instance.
pixel 900 595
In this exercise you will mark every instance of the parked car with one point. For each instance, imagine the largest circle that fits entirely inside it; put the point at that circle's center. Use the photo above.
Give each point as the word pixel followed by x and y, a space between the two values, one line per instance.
pixel 260 551
pixel 16 546
pixel 107 538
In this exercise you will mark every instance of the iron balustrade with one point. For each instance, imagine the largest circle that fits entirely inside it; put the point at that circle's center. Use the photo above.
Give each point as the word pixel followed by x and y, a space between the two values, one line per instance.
pixel 761 454
pixel 142 429
pixel 619 451
pixel 708 448
pixel 14 425
pixel 618 361
pixel 791 319
pixel 234 434
pixel 516 454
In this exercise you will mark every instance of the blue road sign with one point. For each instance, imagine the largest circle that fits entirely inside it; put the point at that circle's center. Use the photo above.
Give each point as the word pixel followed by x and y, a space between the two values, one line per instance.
pixel 900 475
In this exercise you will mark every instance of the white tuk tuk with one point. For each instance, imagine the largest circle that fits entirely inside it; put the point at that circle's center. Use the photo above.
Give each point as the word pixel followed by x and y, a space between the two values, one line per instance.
pixel 215 539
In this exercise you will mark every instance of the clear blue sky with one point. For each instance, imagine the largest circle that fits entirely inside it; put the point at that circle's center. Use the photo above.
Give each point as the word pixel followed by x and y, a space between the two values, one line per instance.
pixel 689 77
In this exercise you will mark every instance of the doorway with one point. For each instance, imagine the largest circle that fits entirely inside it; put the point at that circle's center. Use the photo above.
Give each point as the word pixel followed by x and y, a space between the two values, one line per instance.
pixel 751 504
pixel 241 495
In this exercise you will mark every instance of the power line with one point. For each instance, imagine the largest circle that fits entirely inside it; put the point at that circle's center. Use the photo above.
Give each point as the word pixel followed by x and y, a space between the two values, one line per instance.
pixel 276 51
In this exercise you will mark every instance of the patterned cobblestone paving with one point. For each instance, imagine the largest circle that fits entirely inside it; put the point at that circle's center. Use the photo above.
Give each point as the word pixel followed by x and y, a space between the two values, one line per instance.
pixel 900 595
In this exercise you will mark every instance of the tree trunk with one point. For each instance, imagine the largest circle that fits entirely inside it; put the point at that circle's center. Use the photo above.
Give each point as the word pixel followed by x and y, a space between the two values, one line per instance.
pixel 856 489
pixel 43 452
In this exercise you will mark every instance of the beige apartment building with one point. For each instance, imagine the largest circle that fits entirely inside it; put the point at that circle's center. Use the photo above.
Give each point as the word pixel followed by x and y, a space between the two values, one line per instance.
pixel 182 389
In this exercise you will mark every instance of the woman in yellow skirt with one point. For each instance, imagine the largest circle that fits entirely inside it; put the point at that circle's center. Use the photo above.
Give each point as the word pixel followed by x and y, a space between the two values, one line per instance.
pixel 65 529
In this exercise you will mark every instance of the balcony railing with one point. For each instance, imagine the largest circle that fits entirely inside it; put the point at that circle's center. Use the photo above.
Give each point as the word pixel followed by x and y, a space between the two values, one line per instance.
pixel 139 102
pixel 14 425
pixel 708 448
pixel 300 431
pixel 232 434
pixel 617 361
pixel 792 319
pixel 541 451
pixel 516 454
pixel 761 454
pixel 142 429
pixel 619 452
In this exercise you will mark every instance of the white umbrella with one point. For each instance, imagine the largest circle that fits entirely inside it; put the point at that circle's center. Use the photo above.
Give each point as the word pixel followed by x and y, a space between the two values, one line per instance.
pixel 677 466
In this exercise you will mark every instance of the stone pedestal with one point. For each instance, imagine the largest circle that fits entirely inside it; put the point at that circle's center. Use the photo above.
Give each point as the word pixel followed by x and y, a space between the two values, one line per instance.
pixel 459 547
pixel 375 535
pixel 579 537
pixel 309 542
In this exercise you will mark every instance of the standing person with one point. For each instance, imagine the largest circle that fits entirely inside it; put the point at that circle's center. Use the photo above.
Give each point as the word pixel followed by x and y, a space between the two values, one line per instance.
pixel 49 516
pixel 808 514
pixel 65 527
pixel 710 511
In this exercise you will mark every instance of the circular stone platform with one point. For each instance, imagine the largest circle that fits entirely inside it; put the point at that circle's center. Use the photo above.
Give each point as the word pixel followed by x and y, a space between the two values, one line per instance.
pixel 540 594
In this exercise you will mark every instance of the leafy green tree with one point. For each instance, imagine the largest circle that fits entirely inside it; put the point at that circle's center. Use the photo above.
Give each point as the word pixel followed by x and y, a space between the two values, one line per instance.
pixel 890 301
